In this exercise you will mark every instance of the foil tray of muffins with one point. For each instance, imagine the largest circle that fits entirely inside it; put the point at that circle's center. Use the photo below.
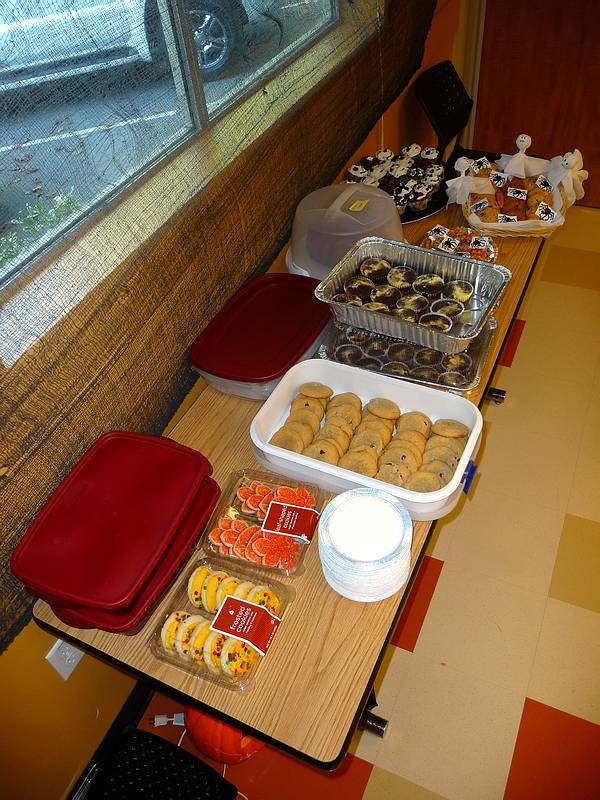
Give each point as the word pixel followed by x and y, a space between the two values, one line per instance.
pixel 414 178
pixel 425 296
pixel 398 358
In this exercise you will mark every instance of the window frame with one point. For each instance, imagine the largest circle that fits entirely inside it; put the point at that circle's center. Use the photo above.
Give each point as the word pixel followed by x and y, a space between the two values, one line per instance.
pixel 41 277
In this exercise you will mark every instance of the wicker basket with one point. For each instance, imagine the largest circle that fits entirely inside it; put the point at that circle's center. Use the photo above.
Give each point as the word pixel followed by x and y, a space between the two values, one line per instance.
pixel 506 229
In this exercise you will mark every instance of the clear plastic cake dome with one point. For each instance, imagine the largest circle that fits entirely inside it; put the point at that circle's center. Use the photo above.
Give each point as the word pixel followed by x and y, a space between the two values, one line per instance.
pixel 330 220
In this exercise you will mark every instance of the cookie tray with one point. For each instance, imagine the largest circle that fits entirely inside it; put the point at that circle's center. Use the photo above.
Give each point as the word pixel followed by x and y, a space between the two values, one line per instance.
pixel 489 281
pixel 367 385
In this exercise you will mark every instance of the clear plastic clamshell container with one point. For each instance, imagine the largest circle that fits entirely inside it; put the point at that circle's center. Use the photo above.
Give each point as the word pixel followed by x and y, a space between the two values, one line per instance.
pixel 235 530
pixel 183 637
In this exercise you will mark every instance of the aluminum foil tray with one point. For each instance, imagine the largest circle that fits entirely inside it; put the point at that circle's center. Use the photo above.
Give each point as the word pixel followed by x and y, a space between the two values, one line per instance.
pixel 342 336
pixel 489 281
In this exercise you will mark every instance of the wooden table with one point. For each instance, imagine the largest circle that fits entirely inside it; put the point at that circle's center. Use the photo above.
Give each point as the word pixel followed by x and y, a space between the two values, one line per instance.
pixel 310 692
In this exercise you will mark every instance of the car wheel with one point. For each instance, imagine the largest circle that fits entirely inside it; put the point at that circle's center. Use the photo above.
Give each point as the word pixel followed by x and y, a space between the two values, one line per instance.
pixel 215 30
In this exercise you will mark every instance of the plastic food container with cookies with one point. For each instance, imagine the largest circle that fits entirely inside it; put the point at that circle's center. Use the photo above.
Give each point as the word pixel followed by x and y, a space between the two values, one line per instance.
pixel 282 324
pixel 399 358
pixel 422 278
pixel 413 441
pixel 192 636
pixel 264 519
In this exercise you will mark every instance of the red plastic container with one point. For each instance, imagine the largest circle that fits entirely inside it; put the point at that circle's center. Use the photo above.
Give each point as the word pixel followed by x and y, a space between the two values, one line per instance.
pixel 104 530
pixel 130 620
pixel 268 326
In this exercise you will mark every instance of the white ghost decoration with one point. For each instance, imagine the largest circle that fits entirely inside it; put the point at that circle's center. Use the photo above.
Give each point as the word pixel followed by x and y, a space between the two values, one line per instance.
pixel 459 189
pixel 520 164
pixel 568 171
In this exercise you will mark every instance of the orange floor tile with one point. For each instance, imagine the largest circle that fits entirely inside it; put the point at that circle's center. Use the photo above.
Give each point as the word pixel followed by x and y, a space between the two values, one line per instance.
pixel 412 617
pixel 557 757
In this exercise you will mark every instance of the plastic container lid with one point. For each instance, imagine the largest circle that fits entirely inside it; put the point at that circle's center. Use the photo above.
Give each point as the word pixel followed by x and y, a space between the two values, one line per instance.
pixel 104 529
pixel 329 221
pixel 130 619
pixel 262 331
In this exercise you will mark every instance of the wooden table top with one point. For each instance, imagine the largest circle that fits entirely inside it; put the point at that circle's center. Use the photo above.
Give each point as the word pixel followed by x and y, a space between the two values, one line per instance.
pixel 313 683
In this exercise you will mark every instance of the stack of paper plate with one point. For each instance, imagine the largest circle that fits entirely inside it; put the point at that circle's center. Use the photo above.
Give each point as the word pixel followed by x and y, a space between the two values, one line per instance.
pixel 365 537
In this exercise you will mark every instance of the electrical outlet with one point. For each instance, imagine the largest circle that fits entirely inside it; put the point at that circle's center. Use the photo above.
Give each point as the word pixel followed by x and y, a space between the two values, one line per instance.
pixel 64 658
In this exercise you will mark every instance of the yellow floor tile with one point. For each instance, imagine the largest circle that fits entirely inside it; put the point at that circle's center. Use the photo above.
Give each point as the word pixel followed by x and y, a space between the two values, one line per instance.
pixel 575 576
pixel 517 546
pixel 384 785
pixel 451 733
pixel 584 496
pixel 530 467
pixel 364 744
pixel 566 313
pixel 542 404
pixel 482 626
pixel 580 229
pixel 572 266
pixel 567 661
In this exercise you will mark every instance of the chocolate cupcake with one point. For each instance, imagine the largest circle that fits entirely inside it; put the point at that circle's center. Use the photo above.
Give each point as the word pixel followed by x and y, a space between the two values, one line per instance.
pixel 414 301
pixel 429 155
pixel 384 155
pixel 375 348
pixel 368 162
pixel 457 362
pixel 386 294
pixel 451 308
pixel 376 269
pixel 418 199
pixel 417 173
pixel 401 202
pixel 429 285
pixel 459 290
pixel 357 335
pixel 371 180
pixel 380 307
pixel 359 286
pixel 401 352
pixel 346 298
pixel 396 368
pixel 356 173
pixel 405 314
pixel 454 379
pixel 427 357
pixel 436 322
pixel 369 363
pixel 348 354
pixel 402 278
pixel 411 150
pixel 379 171
pixel 425 374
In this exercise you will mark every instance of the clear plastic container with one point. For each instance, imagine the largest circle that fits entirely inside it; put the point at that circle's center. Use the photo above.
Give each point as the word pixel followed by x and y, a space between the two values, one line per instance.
pixel 235 529
pixel 183 629
pixel 330 220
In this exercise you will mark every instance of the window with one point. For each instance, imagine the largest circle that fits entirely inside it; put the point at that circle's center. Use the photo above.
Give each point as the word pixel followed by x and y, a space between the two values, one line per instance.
pixel 95 92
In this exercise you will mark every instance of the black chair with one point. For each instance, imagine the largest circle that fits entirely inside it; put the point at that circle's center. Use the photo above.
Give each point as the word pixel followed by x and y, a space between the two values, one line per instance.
pixel 447 105
pixel 147 766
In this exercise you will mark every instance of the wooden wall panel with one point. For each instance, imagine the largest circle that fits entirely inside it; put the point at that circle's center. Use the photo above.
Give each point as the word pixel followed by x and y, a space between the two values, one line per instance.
pixel 540 74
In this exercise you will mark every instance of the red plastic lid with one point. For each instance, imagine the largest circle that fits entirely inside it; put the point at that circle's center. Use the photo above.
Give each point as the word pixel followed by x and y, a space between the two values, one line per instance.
pixel 102 531
pixel 131 619
pixel 263 330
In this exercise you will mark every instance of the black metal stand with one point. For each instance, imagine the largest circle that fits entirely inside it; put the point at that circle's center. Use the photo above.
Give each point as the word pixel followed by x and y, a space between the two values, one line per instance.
pixel 372 722
pixel 497 396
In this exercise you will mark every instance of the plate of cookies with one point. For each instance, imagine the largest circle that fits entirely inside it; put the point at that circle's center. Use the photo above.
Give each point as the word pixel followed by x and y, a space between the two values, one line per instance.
pixel 342 427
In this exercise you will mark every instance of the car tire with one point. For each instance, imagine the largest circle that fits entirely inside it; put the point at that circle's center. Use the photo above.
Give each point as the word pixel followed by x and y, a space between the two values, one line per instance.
pixel 216 30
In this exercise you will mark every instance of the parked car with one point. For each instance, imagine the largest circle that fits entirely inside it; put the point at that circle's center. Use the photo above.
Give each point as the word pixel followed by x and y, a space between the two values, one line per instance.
pixel 74 37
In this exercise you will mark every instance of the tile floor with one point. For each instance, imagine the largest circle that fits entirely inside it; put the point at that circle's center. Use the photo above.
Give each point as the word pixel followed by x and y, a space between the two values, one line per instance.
pixel 492 683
